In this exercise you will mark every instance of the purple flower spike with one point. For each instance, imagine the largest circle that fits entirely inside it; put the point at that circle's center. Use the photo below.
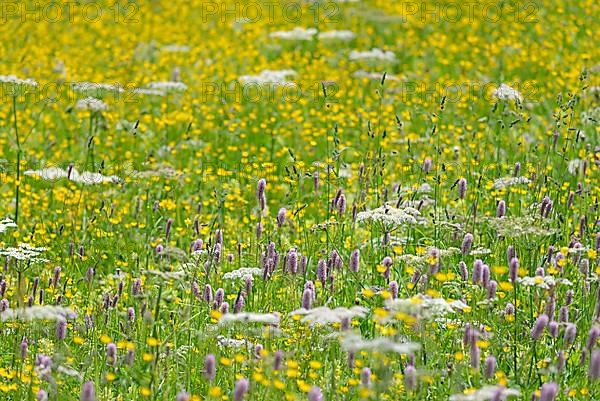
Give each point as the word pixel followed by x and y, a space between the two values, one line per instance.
pixel 315 394
pixel 88 393
pixel 548 391
pixel 240 389
pixel 210 367
pixel 539 326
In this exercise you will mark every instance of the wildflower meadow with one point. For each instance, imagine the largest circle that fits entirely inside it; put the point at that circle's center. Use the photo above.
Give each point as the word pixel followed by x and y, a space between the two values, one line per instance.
pixel 319 200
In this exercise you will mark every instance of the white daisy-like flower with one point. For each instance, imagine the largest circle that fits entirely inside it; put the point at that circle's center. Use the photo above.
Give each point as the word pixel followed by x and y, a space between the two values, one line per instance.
pixel 6 224
pixel 337 35
pixel 297 33
pixel 91 103
pixel 242 273
pixel 14 80
pixel 269 77
pixel 505 92
pixel 373 54
pixel 486 393
pixel 324 315
pixel 503 182
pixel 249 317
pixel 354 342
pixel 168 86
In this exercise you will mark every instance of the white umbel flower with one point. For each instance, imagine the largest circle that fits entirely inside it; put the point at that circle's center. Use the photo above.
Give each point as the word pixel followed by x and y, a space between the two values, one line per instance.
pixel 225 342
pixel 424 307
pixel 374 75
pixel 242 273
pixel 337 35
pixel 503 182
pixel 354 342
pixel 87 178
pixel 269 77
pixel 37 312
pixel 91 103
pixel 486 393
pixel 6 224
pixel 373 54
pixel 575 166
pixel 168 86
pixel 24 252
pixel 14 80
pixel 391 216
pixel 89 86
pixel 175 48
pixel 297 33
pixel 505 92
pixel 324 315
pixel 545 282
pixel 249 317
pixel 148 92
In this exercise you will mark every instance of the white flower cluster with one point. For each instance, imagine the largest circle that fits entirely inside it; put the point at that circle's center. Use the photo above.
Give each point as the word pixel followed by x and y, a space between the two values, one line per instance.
pixel 175 48
pixel 88 86
pixel 391 216
pixel 422 260
pixel 225 342
pixel 88 178
pixel 354 342
pixel 503 182
pixel 14 80
pixel 374 75
pixel 37 312
pixel 91 103
pixel 173 275
pixel 6 224
pixel 575 166
pixel 424 307
pixel 545 282
pixel 249 317
pixel 168 86
pixel 269 77
pixel 323 315
pixel 24 252
pixel 297 33
pixel 513 227
pixel 337 35
pixel 373 54
pixel 505 92
pixel 148 92
pixel 480 251
pixel 486 393
pixel 242 273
